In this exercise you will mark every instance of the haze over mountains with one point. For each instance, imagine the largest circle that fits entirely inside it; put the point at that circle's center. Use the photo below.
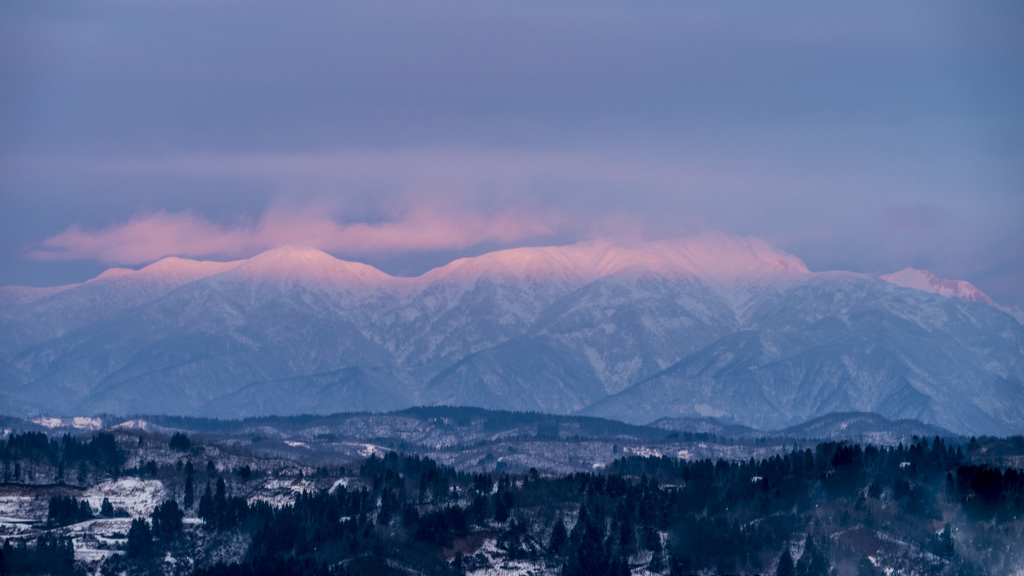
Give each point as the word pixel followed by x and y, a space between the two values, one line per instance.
pixel 704 326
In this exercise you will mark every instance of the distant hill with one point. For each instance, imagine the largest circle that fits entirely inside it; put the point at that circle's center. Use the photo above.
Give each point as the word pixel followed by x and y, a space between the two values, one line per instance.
pixel 861 427
pixel 448 426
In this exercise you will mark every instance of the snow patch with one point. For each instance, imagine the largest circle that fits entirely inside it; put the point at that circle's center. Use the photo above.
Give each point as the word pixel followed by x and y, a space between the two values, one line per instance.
pixel 47 422
pixel 501 565
pixel 927 282
pixel 78 422
pixel 133 425
pixel 369 449
pixel 139 497
pixel 643 451
pixel 83 423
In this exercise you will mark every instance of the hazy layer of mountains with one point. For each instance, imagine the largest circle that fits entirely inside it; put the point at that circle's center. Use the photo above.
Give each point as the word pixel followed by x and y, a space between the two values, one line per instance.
pixel 709 326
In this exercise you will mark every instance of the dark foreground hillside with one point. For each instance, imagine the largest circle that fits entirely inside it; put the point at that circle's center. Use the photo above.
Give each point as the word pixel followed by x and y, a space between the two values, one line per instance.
pixel 117 503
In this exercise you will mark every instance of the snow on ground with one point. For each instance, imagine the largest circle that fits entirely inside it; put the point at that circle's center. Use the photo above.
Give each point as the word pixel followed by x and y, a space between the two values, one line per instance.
pixel 500 565
pixel 96 540
pixel 643 451
pixel 79 422
pixel 369 449
pixel 83 423
pixel 20 506
pixel 23 517
pixel 47 422
pixel 18 513
pixel 133 425
pixel 138 497
pixel 280 492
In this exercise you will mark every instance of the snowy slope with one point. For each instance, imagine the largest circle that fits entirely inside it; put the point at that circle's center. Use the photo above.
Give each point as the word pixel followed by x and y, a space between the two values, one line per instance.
pixel 837 344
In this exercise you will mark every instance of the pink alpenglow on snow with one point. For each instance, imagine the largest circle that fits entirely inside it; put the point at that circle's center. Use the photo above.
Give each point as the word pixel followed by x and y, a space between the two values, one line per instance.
pixel 715 257
pixel 927 282
pixel 172 270
pixel 711 257
pixel 297 264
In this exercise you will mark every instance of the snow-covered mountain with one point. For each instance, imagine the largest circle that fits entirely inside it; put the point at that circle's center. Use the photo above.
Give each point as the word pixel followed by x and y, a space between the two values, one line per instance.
pixel 703 326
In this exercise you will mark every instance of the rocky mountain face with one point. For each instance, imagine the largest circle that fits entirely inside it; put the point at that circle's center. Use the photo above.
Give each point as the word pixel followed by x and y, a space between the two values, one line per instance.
pixel 709 326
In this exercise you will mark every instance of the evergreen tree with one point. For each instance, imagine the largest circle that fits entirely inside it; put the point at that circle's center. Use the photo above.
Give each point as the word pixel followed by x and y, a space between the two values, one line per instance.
pixel 500 508
pixel 180 442
pixel 812 561
pixel 657 563
pixel 167 520
pixel 190 495
pixel 627 541
pixel 946 547
pixel 220 503
pixel 786 567
pixel 140 540
pixel 206 505
pixel 107 509
pixel 559 537
pixel 582 519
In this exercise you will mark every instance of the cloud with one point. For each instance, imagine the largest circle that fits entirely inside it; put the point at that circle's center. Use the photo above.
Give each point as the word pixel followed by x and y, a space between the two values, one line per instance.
pixel 149 237
pixel 414 208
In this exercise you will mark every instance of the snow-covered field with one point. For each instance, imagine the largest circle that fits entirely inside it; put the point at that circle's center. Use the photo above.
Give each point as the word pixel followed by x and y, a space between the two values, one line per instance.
pixel 135 496
pixel 23 514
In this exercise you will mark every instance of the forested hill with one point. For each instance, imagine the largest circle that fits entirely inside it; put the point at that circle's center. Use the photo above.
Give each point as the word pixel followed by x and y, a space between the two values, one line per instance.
pixel 840 508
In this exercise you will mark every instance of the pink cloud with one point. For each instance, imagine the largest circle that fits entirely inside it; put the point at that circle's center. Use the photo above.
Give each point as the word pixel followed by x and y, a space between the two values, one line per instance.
pixel 149 237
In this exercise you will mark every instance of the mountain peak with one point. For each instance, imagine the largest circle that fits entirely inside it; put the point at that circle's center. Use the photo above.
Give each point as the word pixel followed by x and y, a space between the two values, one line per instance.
pixel 721 257
pixel 302 263
pixel 172 270
pixel 927 282
pixel 710 257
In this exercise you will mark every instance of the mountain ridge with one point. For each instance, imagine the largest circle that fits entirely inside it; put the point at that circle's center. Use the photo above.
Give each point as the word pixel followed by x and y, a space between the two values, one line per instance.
pixel 706 326
pixel 711 257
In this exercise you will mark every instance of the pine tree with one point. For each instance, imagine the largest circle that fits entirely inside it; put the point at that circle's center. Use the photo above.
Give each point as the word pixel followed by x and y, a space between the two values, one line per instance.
pixel 627 541
pixel 657 563
pixel 812 561
pixel 190 495
pixel 559 537
pixel 167 520
pixel 946 547
pixel 581 523
pixel 206 505
pixel 140 540
pixel 107 509
pixel 500 508
pixel 785 567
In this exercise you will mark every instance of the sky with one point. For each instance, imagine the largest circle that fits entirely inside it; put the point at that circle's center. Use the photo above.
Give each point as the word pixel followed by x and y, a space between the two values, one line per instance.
pixel 858 136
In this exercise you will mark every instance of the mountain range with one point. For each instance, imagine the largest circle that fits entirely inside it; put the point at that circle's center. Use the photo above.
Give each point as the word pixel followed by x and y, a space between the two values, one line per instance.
pixel 706 326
